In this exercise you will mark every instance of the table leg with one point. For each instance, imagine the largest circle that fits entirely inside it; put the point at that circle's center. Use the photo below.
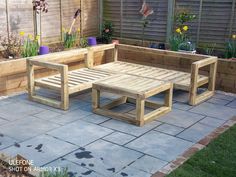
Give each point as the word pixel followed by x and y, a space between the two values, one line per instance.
pixel 140 106
pixel 169 96
pixel 95 98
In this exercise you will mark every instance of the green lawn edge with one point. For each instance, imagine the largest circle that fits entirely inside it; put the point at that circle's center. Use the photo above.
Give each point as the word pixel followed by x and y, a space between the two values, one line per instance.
pixel 218 159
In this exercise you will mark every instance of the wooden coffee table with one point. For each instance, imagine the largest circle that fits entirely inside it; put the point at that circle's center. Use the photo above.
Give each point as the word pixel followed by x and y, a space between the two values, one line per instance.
pixel 133 89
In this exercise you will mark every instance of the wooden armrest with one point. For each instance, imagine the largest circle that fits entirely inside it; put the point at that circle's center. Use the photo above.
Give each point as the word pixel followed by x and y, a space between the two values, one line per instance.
pixel 205 62
pixel 45 64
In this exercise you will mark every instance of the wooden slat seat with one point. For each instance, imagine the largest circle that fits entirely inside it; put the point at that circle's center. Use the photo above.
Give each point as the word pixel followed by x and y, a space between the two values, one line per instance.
pixel 180 79
pixel 78 80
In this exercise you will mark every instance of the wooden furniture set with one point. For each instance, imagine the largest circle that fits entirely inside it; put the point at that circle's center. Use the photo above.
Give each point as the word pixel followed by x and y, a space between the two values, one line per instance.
pixel 134 82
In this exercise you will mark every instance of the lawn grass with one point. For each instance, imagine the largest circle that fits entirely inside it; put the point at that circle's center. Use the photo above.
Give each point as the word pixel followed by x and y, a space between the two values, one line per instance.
pixel 218 159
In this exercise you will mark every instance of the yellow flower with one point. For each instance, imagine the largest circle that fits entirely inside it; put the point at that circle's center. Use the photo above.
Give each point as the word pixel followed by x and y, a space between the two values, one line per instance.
pixel 30 36
pixel 63 30
pixel 185 28
pixel 22 33
pixel 178 30
pixel 37 37
pixel 78 30
pixel 234 36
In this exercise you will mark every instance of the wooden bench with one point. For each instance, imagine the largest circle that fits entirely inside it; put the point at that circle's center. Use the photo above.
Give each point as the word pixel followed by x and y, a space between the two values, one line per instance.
pixel 182 80
pixel 66 82
pixel 133 89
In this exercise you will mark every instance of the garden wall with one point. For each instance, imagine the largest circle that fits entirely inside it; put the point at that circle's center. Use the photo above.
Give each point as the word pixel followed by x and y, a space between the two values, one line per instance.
pixel 16 16
pixel 226 73
pixel 13 72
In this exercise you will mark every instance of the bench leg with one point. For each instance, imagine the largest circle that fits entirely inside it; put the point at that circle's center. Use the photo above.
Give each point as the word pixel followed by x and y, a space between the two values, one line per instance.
pixel 194 98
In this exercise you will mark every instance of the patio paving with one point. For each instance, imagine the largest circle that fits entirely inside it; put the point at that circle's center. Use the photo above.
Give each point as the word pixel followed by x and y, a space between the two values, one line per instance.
pixel 97 146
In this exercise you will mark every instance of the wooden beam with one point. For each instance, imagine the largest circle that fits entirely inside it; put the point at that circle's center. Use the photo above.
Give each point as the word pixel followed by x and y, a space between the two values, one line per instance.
pixel 199 21
pixel 232 18
pixel 170 18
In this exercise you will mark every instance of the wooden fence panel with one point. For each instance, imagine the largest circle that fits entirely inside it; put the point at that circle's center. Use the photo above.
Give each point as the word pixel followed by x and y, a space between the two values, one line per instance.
pixel 126 18
pixel 51 23
pixel 69 7
pixel 20 16
pixel 90 17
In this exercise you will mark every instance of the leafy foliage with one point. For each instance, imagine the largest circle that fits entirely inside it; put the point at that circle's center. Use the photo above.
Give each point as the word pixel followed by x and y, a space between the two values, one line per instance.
pixel 107 32
pixel 40 6
pixel 231 48
pixel 63 173
pixel 84 42
pixel 30 46
pixel 11 46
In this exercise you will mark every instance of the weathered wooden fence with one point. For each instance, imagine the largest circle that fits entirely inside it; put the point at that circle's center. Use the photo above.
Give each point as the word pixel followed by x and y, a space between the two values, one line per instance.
pixel 17 15
pixel 215 23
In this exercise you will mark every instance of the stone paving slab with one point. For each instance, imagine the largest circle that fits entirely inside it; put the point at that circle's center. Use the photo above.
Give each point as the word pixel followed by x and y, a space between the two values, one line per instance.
pixel 74 169
pixel 107 158
pixel 80 132
pixel 17 110
pixel 96 119
pixel 148 164
pixel 169 129
pixel 213 110
pixel 119 138
pixel 196 132
pixel 41 149
pixel 3 121
pixel 26 128
pixel 212 122
pixel 182 106
pixel 232 104
pixel 159 145
pixel 225 96
pixel 181 118
pixel 132 172
pixel 128 128
pixel 218 101
pixel 71 116
pixel 6 141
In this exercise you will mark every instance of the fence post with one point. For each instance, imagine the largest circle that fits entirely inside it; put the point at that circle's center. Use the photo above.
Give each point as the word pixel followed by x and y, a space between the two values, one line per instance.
pixel 199 21
pixel 100 16
pixel 170 18
pixel 7 20
pixel 232 18
pixel 121 18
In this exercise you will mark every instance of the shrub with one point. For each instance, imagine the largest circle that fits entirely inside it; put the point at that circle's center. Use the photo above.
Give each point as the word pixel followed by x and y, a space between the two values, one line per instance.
pixel 107 32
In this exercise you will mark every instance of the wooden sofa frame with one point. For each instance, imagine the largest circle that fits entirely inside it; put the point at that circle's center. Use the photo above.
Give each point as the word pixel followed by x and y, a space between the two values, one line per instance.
pixel 67 82
pixel 66 89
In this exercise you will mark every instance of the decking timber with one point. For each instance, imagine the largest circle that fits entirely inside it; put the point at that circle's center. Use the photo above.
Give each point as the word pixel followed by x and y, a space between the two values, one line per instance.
pixel 181 80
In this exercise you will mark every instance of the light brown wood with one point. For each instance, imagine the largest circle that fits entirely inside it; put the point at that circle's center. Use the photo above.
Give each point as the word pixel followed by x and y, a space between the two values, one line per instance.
pixel 182 80
pixel 133 89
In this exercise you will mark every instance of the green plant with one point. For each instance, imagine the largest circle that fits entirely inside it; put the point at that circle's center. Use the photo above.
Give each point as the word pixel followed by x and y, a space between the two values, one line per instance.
pixel 180 39
pixel 57 173
pixel 84 42
pixel 70 39
pixel 187 46
pixel 231 47
pixel 107 32
pixel 174 41
pixel 209 48
pixel 30 46
pixel 11 46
